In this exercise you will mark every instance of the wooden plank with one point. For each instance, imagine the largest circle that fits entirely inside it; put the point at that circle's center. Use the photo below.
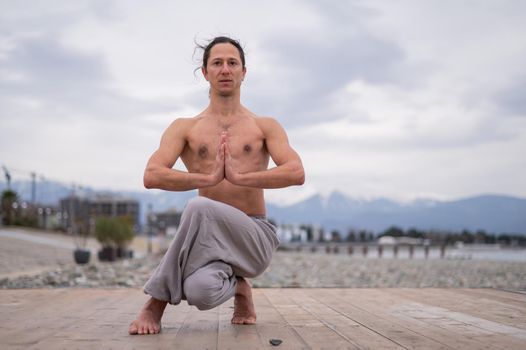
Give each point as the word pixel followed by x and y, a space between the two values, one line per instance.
pixel 458 324
pixel 199 331
pixel 313 332
pixel 516 299
pixel 302 318
pixel 509 295
pixel 355 307
pixel 384 303
pixel 173 319
pixel 272 325
pixel 101 325
pixel 472 304
pixel 235 336
pixel 480 329
pixel 32 325
pixel 361 337
pixel 90 317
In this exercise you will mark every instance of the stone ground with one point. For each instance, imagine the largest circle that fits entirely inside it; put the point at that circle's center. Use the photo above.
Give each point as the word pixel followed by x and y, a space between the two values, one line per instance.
pixel 49 263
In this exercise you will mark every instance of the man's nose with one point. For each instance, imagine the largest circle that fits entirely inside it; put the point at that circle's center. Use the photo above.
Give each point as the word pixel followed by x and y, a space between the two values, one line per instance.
pixel 225 69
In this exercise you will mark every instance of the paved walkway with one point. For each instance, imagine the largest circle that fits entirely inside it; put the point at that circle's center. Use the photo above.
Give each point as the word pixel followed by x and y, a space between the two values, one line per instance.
pixel 301 318
pixel 29 251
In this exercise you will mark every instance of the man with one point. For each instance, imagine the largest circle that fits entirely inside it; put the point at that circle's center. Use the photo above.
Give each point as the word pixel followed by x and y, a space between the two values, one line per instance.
pixel 224 236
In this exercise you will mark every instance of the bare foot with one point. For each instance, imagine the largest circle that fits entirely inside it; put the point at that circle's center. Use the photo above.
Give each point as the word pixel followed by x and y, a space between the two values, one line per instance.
pixel 149 319
pixel 244 310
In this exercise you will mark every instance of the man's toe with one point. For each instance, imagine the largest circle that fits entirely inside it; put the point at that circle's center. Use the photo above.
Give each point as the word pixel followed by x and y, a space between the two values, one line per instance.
pixel 133 328
pixel 237 320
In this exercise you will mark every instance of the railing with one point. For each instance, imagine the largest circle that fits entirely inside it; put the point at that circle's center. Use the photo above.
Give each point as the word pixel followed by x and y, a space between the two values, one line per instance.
pixel 368 249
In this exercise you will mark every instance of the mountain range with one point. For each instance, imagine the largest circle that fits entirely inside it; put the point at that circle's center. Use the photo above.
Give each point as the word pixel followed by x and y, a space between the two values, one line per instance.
pixel 492 213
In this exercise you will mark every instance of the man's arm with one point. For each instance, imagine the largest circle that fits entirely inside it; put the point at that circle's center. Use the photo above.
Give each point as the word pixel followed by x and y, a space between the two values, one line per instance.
pixel 288 171
pixel 159 173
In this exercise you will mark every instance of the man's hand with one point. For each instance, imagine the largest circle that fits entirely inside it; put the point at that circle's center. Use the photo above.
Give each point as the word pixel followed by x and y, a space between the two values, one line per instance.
pixel 218 173
pixel 232 173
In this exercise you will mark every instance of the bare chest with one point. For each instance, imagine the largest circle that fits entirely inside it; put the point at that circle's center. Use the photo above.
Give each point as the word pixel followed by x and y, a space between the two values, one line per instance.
pixel 244 141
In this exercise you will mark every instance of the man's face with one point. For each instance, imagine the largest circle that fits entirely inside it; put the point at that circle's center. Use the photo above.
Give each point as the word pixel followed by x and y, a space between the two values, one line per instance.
pixel 224 69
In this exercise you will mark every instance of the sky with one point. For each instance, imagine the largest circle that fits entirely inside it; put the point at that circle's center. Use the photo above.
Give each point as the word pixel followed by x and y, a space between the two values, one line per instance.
pixel 395 99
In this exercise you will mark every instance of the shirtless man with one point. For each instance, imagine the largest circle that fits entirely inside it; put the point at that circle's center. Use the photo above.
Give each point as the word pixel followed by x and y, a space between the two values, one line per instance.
pixel 224 236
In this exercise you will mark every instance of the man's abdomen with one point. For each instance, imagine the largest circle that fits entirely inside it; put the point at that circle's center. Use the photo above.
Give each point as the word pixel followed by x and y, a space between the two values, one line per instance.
pixel 247 199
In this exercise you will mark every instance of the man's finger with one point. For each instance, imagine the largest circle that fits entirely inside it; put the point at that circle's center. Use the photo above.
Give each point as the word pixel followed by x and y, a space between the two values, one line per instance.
pixel 222 150
pixel 227 151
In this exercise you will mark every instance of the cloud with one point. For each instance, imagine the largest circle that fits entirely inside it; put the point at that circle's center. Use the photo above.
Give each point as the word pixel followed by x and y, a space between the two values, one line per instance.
pixel 511 99
pixel 308 66
pixel 373 94
pixel 64 82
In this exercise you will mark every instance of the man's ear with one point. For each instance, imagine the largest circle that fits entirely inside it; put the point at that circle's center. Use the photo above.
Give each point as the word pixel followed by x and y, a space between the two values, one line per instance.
pixel 244 72
pixel 205 73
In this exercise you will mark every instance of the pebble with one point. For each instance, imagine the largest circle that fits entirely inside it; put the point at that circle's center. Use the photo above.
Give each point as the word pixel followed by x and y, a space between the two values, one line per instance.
pixel 275 342
pixel 300 270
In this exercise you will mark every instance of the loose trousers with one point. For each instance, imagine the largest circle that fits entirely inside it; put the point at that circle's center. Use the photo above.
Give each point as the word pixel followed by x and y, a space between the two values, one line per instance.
pixel 215 243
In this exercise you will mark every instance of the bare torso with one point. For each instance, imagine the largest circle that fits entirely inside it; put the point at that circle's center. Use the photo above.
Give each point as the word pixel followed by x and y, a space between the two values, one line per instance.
pixel 247 147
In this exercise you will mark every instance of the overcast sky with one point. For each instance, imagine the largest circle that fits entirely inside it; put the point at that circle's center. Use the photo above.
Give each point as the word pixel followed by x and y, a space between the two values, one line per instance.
pixel 396 99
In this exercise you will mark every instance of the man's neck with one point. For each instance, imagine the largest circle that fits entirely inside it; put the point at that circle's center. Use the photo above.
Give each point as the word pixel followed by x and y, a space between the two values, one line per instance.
pixel 225 106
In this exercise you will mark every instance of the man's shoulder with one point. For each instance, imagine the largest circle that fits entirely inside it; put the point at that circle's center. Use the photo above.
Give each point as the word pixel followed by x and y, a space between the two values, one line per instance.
pixel 184 122
pixel 265 120
pixel 267 123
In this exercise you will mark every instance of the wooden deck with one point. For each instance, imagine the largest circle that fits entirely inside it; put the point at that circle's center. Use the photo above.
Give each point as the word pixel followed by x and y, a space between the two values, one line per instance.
pixel 301 318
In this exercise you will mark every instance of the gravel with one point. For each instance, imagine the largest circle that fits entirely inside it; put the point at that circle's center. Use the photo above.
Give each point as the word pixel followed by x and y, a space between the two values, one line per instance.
pixel 294 269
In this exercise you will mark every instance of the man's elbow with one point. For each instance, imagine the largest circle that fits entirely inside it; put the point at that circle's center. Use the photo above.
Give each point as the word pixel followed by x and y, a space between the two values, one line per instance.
pixel 299 178
pixel 149 179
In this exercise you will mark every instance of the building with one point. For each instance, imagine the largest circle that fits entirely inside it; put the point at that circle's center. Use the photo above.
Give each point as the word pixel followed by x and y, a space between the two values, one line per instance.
pixel 166 222
pixel 106 205
pixel 79 213
pixel 74 215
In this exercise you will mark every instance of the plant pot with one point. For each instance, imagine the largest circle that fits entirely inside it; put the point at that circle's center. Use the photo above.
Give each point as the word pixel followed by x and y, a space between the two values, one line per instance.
pixel 107 254
pixel 81 256
pixel 124 253
pixel 121 252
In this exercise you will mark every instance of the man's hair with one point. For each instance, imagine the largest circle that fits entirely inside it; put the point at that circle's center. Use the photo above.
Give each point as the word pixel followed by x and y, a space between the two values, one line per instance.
pixel 220 40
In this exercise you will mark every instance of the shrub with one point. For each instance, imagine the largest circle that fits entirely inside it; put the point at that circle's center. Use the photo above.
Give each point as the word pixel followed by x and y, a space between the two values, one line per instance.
pixel 113 231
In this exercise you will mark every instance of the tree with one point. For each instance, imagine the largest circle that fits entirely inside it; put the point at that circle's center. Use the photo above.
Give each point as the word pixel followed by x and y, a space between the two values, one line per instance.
pixel 363 235
pixel 393 231
pixel 415 233
pixel 480 236
pixel 310 234
pixel 9 200
pixel 467 237
pixel 336 236
pixel 351 236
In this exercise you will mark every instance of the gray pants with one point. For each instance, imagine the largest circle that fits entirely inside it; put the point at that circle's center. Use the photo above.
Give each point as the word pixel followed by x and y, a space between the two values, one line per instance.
pixel 215 243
